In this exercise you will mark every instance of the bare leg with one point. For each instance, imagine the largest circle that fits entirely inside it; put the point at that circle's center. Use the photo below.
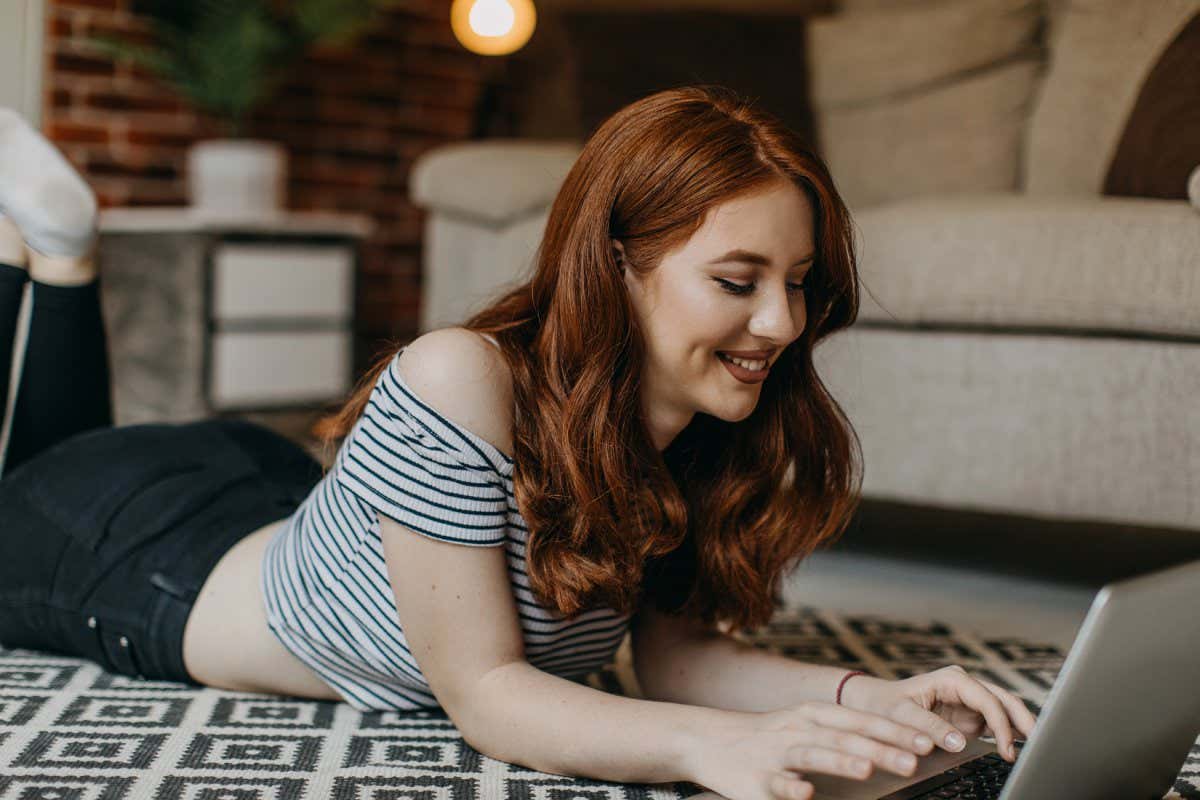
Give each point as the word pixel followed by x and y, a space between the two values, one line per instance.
pixel 13 277
pixel 63 385
pixel 12 245
pixel 62 270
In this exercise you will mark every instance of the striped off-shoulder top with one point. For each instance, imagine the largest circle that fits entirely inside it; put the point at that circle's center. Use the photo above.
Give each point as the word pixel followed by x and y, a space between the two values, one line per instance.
pixel 324 581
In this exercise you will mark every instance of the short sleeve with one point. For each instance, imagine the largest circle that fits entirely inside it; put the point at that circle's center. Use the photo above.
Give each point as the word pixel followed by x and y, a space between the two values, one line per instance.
pixel 431 475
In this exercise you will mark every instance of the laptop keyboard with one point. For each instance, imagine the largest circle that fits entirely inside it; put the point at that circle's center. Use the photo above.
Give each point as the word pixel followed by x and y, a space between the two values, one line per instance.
pixel 979 779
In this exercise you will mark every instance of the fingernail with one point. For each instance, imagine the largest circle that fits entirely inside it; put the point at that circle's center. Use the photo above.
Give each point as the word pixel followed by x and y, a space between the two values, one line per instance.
pixel 955 741
pixel 923 741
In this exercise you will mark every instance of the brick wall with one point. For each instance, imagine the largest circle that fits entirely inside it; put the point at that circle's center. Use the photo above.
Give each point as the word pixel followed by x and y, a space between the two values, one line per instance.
pixel 352 122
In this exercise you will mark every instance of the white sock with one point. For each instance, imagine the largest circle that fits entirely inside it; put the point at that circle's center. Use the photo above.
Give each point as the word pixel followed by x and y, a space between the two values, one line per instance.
pixel 41 192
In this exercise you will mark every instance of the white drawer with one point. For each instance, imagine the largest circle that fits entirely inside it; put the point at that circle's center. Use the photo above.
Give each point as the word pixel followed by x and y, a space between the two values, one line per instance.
pixel 282 281
pixel 278 368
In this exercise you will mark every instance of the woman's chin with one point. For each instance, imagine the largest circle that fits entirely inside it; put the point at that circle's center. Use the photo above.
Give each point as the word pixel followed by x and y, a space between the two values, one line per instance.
pixel 734 410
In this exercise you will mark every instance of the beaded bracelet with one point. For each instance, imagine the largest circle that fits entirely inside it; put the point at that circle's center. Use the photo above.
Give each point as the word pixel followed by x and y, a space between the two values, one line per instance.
pixel 846 677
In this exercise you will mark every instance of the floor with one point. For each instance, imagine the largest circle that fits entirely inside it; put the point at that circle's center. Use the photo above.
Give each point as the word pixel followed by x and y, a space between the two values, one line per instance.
pixel 973 600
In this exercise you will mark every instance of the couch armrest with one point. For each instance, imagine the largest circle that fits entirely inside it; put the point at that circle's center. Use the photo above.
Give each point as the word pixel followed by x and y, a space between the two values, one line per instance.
pixel 495 181
pixel 1011 260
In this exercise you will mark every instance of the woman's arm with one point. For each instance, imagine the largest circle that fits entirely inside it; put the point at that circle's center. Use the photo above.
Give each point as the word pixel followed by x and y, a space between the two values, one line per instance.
pixel 522 715
pixel 679 662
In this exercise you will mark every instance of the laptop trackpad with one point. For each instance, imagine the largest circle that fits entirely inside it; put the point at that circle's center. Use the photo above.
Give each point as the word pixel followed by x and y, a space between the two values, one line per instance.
pixel 882 782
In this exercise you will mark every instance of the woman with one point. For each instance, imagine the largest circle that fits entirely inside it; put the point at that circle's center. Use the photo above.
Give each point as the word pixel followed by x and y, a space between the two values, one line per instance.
pixel 678 455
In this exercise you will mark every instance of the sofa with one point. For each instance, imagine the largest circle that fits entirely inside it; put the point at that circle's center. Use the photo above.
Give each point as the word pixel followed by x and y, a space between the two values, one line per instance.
pixel 1024 374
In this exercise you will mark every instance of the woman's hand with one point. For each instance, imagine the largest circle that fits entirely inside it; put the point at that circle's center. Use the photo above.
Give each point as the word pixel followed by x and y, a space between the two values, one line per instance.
pixel 943 703
pixel 764 755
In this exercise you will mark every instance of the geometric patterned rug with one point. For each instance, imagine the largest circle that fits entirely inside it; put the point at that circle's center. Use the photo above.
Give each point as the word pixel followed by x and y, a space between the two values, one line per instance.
pixel 71 731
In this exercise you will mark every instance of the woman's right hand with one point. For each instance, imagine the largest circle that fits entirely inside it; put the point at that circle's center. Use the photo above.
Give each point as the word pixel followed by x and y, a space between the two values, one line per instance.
pixel 764 755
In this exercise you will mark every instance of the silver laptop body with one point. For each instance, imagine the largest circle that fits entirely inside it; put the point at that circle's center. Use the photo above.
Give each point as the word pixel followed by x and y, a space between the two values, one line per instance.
pixel 1120 718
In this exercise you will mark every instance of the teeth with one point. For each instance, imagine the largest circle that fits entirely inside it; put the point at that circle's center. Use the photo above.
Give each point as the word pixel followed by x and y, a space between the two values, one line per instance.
pixel 753 366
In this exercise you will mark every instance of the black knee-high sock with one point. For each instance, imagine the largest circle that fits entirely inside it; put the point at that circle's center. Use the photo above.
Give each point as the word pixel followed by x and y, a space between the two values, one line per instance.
pixel 12 286
pixel 64 386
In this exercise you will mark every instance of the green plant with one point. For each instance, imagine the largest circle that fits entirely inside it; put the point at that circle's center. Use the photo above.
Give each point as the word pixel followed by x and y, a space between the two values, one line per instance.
pixel 228 56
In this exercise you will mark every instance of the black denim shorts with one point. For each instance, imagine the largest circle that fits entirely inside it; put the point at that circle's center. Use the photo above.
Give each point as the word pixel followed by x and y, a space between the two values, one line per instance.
pixel 107 537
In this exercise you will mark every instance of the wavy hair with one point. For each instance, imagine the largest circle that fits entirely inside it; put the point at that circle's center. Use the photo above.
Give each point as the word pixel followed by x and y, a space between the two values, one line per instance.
pixel 710 525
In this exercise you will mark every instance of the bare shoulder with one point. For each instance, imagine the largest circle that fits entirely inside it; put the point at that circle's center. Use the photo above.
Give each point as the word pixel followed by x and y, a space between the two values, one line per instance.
pixel 465 378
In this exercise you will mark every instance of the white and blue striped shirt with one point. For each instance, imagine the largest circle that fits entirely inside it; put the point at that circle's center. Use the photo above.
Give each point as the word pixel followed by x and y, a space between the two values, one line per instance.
pixel 324 580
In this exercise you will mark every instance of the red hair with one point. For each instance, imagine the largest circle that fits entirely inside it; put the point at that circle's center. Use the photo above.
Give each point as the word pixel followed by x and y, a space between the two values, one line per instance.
pixel 709 526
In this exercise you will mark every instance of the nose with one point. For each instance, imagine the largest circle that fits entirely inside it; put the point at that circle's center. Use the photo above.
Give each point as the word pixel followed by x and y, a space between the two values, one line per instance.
pixel 778 317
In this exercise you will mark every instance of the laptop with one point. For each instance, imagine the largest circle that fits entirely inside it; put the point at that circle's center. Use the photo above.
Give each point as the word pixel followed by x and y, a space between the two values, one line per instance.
pixel 1118 723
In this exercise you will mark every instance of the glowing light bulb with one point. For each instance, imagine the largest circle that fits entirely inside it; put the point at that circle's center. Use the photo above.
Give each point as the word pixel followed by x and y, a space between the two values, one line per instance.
pixel 492 17
pixel 493 27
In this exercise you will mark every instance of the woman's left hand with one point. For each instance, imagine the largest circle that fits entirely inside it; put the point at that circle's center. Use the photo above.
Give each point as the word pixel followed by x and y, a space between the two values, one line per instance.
pixel 942 703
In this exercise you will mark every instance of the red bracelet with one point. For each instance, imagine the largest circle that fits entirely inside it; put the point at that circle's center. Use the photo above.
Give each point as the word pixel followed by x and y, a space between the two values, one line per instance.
pixel 845 678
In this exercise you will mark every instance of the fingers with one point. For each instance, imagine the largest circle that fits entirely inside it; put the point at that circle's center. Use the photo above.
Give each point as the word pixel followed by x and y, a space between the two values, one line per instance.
pixel 788 786
pixel 967 720
pixel 1021 716
pixel 892 759
pixel 880 729
pixel 954 685
pixel 804 758
pixel 867 735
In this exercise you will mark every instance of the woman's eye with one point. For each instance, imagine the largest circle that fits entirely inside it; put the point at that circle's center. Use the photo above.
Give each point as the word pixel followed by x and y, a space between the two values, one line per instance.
pixel 746 288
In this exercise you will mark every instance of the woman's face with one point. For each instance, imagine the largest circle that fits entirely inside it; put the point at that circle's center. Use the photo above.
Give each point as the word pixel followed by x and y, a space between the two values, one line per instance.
pixel 735 285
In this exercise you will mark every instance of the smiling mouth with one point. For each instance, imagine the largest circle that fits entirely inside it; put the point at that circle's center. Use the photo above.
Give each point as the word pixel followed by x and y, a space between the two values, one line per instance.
pixel 742 373
pixel 749 364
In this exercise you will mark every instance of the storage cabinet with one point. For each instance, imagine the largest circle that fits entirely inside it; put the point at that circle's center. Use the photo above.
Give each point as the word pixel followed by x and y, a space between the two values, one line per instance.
pixel 282 316
pixel 276 281
pixel 251 369
pixel 207 316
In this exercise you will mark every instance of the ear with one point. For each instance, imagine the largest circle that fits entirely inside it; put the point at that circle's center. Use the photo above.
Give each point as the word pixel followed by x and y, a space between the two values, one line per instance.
pixel 618 254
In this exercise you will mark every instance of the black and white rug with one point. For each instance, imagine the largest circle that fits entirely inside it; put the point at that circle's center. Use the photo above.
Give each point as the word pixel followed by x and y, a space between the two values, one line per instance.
pixel 71 731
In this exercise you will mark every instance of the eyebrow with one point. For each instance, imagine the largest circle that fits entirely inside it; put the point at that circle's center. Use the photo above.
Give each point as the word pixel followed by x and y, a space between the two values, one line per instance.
pixel 749 257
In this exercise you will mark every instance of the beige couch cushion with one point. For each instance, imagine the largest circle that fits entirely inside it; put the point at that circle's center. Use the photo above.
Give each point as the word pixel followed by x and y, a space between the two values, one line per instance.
pixel 1102 53
pixel 859 58
pixel 924 98
pixel 1097 264
pixel 494 181
pixel 1066 427
pixel 1160 145
pixel 960 137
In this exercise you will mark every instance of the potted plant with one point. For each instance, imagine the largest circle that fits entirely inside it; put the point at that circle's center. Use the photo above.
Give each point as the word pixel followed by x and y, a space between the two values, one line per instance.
pixel 226 57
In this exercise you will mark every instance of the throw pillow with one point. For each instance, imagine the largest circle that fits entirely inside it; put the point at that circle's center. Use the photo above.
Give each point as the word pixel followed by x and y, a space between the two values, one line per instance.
pixel 964 137
pixel 924 98
pixel 1091 130
pixel 1160 145
pixel 878 53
